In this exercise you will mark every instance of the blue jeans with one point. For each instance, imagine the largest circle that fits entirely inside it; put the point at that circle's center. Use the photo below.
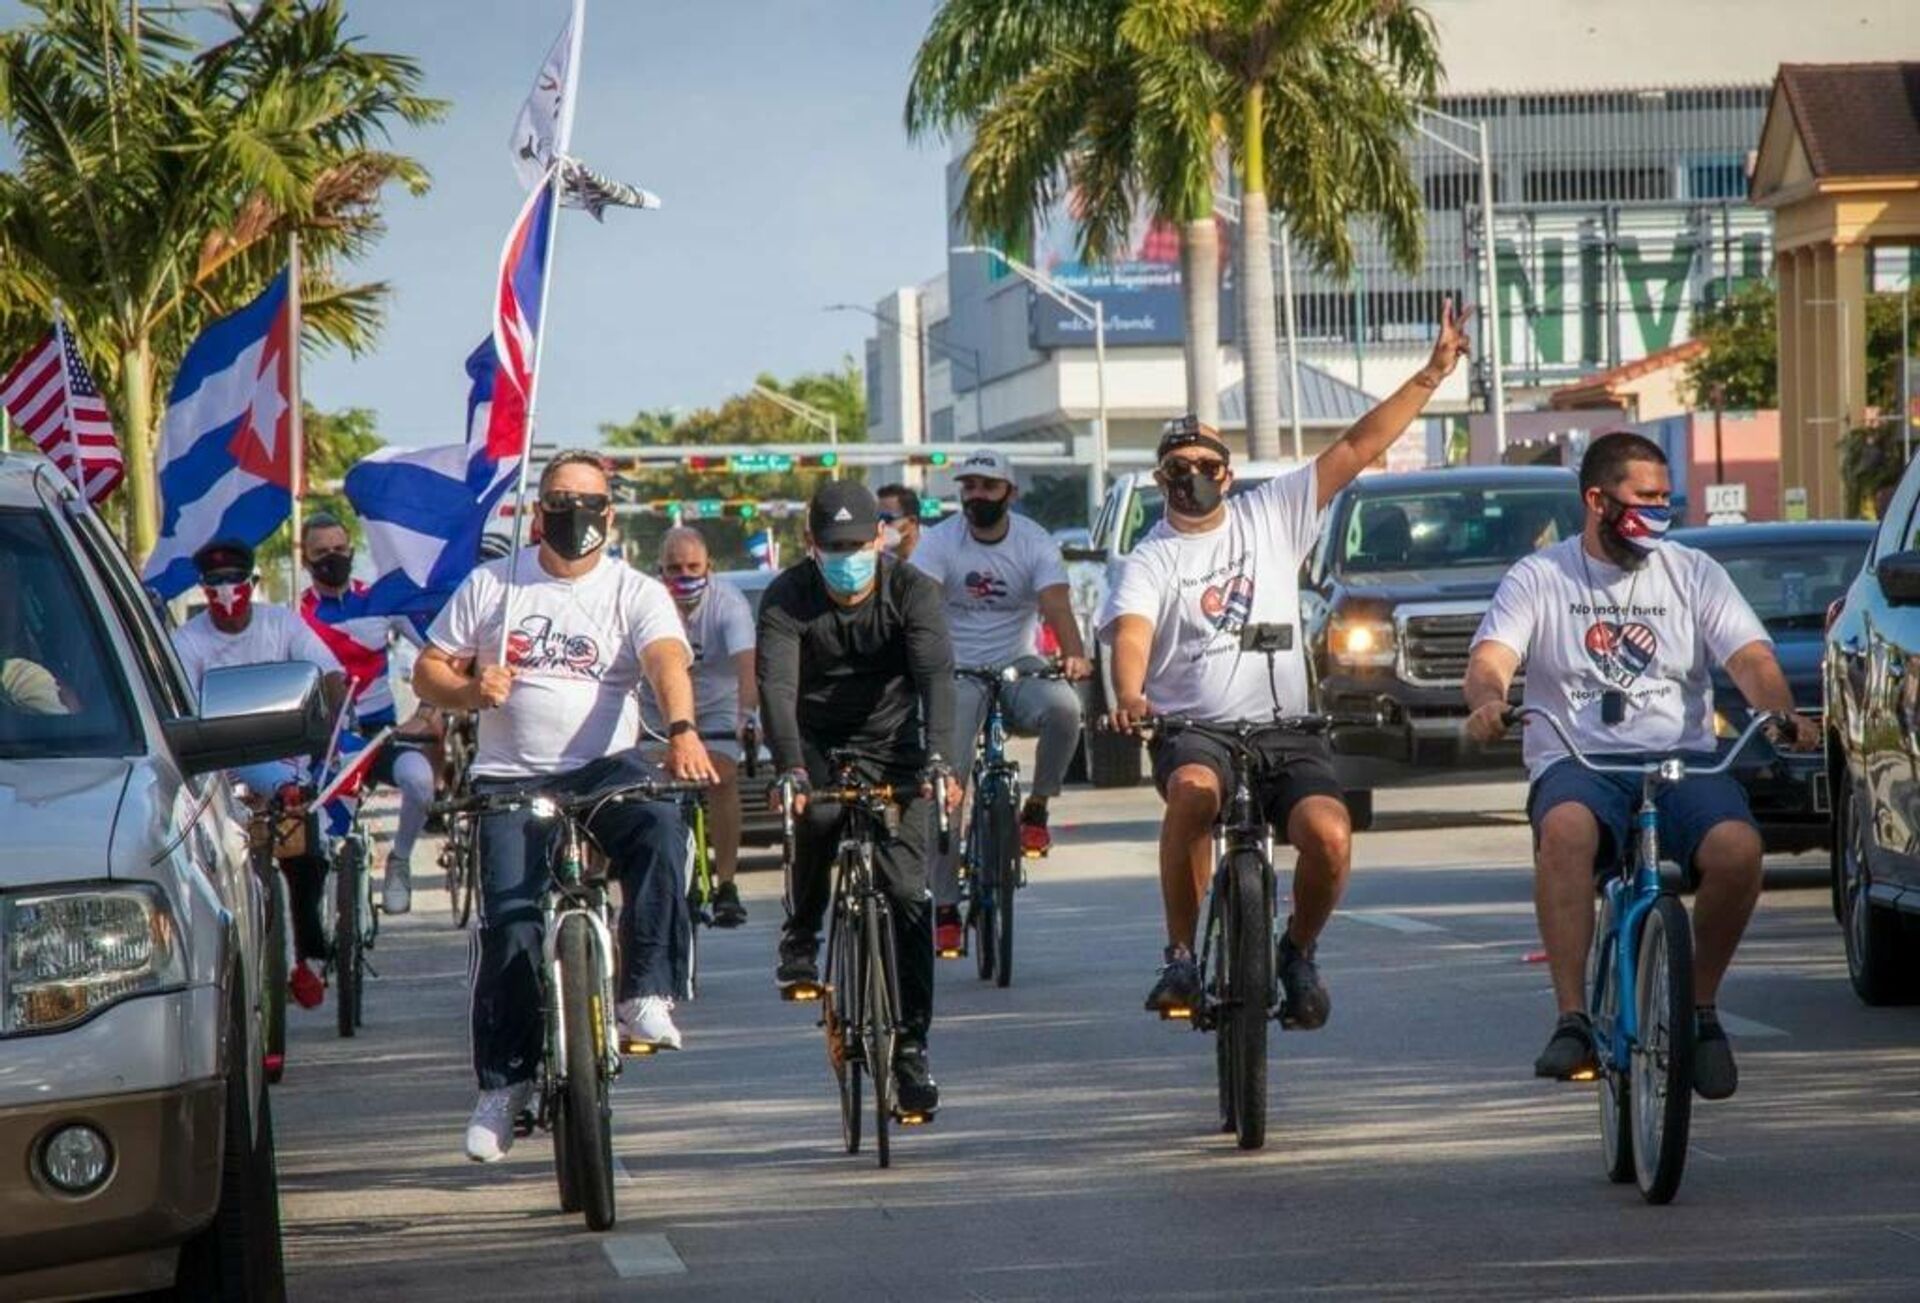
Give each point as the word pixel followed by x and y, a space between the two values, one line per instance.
pixel 645 844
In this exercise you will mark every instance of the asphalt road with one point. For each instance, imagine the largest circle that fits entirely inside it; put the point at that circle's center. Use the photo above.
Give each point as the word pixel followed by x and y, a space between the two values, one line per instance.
pixel 1410 1153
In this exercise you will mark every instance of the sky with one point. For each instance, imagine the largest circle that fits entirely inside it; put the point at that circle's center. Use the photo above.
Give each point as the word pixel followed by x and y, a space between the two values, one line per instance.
pixel 770 128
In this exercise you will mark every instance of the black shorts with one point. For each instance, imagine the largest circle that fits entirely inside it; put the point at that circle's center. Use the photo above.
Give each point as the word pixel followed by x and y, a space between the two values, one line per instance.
pixel 1291 769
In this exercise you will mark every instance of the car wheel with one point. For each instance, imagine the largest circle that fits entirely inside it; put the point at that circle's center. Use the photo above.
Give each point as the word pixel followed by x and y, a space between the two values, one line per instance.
pixel 237 1257
pixel 1879 972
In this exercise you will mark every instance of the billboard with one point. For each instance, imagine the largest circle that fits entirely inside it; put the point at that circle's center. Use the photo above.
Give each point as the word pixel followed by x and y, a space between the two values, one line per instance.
pixel 1140 295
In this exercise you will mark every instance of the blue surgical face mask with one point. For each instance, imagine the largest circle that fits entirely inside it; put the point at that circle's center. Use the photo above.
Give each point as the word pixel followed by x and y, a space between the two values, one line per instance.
pixel 847 573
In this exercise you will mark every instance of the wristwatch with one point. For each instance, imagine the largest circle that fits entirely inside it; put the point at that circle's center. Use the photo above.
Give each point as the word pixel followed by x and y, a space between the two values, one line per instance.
pixel 679 726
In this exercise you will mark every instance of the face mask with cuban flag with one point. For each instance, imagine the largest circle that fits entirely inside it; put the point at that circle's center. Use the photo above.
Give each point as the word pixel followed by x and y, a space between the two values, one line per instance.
pixel 1642 528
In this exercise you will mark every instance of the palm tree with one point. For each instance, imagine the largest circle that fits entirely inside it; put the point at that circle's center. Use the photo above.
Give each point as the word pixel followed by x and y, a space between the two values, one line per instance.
pixel 157 185
pixel 1060 104
pixel 1322 95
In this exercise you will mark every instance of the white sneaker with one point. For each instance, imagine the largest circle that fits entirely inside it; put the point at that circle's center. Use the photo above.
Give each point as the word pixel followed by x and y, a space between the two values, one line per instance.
pixel 396 893
pixel 490 1129
pixel 648 1021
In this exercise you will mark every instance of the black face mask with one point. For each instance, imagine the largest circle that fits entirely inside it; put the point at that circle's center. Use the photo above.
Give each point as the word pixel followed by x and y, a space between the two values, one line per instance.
pixel 334 569
pixel 573 533
pixel 1193 495
pixel 985 513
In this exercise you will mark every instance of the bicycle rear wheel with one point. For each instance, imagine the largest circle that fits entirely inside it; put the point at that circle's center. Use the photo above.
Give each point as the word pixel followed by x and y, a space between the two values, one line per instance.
pixel 1247 962
pixel 348 865
pixel 1006 877
pixel 589 1108
pixel 1662 1062
pixel 1616 1115
pixel 842 1016
pixel 880 1022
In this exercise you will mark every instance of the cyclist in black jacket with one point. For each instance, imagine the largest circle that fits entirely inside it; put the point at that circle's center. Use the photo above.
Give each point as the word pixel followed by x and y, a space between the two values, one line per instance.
pixel 854 655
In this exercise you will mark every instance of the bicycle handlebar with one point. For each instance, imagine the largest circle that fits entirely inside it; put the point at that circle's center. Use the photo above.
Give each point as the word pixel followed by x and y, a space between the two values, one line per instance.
pixel 1238 730
pixel 572 806
pixel 1012 673
pixel 1669 768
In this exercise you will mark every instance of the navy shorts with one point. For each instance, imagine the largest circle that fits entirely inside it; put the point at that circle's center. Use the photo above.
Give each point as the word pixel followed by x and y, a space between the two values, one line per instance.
pixel 1687 811
pixel 1291 770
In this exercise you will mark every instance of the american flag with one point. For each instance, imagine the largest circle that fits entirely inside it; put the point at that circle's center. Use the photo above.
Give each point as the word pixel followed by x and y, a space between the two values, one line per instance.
pixel 54 402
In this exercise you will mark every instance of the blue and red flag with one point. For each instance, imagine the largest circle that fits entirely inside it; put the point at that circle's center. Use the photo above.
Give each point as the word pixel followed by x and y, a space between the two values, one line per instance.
pixel 516 322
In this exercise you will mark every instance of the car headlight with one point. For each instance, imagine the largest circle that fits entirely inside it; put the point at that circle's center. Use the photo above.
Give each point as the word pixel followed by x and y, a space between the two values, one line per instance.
pixel 72 951
pixel 1360 642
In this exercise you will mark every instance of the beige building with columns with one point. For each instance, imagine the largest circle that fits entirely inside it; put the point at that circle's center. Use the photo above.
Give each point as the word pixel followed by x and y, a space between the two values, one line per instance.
pixel 1839 166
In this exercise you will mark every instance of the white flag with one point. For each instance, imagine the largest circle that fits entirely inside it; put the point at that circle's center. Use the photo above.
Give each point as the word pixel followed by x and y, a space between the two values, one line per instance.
pixel 541 131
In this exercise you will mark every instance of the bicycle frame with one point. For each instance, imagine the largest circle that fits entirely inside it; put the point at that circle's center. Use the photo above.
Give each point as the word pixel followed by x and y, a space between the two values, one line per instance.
pixel 990 768
pixel 570 892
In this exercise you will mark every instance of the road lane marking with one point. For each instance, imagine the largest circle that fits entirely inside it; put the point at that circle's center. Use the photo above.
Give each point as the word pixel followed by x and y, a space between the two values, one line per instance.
pixel 642 1255
pixel 1391 922
pixel 622 1175
pixel 1747 1027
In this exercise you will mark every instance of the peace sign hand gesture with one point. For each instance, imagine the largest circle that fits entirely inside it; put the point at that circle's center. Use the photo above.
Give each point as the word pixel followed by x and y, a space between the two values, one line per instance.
pixel 1450 347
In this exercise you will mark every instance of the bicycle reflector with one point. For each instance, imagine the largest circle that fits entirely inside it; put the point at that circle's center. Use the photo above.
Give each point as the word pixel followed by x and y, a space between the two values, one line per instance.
pixel 1176 1013
pixel 1585 1074
pixel 801 993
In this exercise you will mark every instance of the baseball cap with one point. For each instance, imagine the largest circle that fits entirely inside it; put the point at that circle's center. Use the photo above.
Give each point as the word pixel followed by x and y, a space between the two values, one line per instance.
pixel 224 554
pixel 843 511
pixel 985 464
pixel 1190 432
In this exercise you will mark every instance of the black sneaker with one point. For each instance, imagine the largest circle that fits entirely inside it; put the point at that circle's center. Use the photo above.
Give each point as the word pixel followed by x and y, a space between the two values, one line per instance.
pixel 1307 1004
pixel 1714 1073
pixel 914 1088
pixel 799 962
pixel 727 909
pixel 1569 1052
pixel 1178 986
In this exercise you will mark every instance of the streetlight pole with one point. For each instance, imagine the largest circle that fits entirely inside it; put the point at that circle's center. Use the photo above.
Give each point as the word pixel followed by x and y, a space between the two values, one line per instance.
pixel 818 417
pixel 953 352
pixel 1490 313
pixel 1093 314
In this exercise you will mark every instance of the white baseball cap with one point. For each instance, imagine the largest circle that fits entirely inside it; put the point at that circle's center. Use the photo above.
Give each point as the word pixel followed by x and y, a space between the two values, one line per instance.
pixel 985 464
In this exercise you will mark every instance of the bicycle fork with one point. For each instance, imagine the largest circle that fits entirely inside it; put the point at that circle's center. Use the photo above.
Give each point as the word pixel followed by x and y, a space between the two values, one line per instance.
pixel 1630 898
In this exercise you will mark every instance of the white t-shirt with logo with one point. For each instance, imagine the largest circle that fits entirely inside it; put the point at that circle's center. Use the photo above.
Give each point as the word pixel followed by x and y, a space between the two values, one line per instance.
pixel 1583 625
pixel 720 628
pixel 273 635
pixel 1200 590
pixel 576 645
pixel 991 590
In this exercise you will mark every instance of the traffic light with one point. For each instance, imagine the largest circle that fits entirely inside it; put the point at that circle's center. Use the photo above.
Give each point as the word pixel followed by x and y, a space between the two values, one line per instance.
pixel 936 459
pixel 706 463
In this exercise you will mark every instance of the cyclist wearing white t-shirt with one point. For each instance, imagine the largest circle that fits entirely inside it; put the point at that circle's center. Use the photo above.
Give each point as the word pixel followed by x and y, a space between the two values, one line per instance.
pixel 562 714
pixel 1000 574
pixel 719 622
pixel 1619 631
pixel 1173 619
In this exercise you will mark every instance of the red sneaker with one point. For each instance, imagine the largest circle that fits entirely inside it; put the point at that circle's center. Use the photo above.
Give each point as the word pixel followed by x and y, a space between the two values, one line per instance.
pixel 307 988
pixel 1035 840
pixel 948 938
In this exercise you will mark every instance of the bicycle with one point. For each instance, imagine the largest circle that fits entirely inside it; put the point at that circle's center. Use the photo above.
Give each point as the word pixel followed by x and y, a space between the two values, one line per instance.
pixel 261 825
pixel 1640 984
pixel 354 923
pixel 991 868
pixel 572 1099
pixel 859 992
pixel 1240 992
pixel 700 881
pixel 459 853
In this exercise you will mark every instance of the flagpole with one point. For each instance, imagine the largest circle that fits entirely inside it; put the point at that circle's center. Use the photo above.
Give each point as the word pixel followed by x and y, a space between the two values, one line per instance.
pixel 78 470
pixel 296 426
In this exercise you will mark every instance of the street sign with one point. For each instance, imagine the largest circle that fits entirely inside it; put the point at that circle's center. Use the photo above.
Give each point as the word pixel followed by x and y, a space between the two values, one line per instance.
pixel 760 461
pixel 1726 499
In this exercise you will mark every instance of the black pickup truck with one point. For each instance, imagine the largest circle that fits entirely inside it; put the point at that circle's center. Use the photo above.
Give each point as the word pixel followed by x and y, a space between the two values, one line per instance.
pixel 1405 569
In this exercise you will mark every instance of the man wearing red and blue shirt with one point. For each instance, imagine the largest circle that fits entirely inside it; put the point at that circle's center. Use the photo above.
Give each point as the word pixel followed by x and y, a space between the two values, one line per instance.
pixel 335 607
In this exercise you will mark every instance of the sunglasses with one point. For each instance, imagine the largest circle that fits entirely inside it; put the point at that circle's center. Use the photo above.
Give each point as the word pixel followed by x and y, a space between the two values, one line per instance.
pixel 1180 468
pixel 594 502
pixel 219 578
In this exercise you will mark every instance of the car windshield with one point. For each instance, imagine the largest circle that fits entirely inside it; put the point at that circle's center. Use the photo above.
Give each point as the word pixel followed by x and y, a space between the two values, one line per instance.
pixel 1149 504
pixel 1791 583
pixel 1450 528
pixel 60 690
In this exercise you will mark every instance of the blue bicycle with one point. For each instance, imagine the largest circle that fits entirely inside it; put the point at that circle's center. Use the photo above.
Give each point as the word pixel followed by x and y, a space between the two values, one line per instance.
pixel 1640 985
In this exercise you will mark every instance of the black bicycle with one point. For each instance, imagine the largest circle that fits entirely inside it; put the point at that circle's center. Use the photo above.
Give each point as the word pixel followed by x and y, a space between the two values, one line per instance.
pixel 859 992
pixel 459 853
pixel 1240 993
pixel 992 865
pixel 356 924
pixel 573 1100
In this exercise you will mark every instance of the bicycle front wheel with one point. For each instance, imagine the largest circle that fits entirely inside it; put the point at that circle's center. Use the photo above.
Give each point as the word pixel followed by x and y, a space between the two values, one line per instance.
pixel 275 972
pixel 589 1107
pixel 982 884
pixel 347 868
pixel 881 1022
pixel 1246 962
pixel 1006 876
pixel 1616 1117
pixel 1662 1060
pixel 843 1027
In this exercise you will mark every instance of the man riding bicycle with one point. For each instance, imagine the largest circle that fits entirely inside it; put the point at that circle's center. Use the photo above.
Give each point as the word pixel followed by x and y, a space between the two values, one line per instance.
pixel 998 572
pixel 899 520
pixel 234 629
pixel 854 656
pixel 560 715
pixel 1173 619
pixel 719 624
pixel 335 608
pixel 1619 630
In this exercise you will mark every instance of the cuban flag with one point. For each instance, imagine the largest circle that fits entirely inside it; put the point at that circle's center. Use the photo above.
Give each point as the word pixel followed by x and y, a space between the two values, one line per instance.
pixel 226 459
pixel 340 796
pixel 423 510
pixel 516 323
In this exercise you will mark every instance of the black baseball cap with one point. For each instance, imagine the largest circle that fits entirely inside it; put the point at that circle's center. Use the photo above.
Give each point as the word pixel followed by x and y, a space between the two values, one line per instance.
pixel 843 511
pixel 1191 432
pixel 224 554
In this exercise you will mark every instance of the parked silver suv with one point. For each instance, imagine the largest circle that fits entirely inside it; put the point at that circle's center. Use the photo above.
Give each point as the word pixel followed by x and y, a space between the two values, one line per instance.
pixel 136 1141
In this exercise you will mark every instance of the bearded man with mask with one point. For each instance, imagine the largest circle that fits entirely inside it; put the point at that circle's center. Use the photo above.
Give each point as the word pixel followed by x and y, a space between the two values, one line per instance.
pixel 1619 630
pixel 561 716
pixel 1173 618
pixel 854 656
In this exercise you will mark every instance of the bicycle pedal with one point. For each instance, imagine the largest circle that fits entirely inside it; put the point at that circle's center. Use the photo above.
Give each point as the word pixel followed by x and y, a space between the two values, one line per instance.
pixel 802 992
pixel 1176 1013
pixel 912 1119
pixel 524 1123
pixel 952 952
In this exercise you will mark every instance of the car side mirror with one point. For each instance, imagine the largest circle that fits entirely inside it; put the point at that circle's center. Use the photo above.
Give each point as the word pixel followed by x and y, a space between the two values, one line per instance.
pixel 1084 554
pixel 1899 576
pixel 250 714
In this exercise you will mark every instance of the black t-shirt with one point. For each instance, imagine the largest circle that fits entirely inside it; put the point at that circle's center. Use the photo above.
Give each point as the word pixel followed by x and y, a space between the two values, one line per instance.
pixel 876 678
